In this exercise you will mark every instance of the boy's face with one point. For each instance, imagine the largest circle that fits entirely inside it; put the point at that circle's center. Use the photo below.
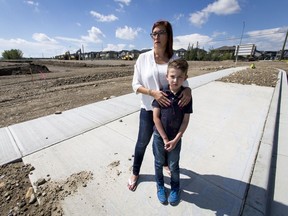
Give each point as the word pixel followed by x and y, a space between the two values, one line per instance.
pixel 175 78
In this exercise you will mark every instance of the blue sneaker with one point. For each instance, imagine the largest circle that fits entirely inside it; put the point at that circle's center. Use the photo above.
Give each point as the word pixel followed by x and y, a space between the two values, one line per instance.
pixel 174 197
pixel 161 194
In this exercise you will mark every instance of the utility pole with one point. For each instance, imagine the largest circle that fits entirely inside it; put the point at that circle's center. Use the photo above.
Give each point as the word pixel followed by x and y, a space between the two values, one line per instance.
pixel 83 54
pixel 240 42
pixel 283 48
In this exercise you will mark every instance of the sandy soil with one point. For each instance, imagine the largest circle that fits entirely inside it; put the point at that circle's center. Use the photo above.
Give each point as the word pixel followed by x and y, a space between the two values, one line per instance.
pixel 66 85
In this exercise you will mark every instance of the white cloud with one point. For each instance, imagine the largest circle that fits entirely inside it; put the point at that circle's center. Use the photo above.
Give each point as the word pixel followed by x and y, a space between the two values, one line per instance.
pixel 269 34
pixel 67 39
pixel 94 36
pixel 102 18
pixel 32 3
pixel 267 39
pixel 121 4
pixel 223 7
pixel 114 47
pixel 45 46
pixel 199 18
pixel 216 34
pixel 177 17
pixel 219 7
pixel 127 33
pixel 40 37
pixel 192 39
pixel 126 2
pixel 131 46
pixel 31 49
pixel 13 42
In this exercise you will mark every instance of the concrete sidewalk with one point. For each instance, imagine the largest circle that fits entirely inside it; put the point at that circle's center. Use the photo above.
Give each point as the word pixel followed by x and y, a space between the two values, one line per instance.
pixel 22 139
pixel 218 153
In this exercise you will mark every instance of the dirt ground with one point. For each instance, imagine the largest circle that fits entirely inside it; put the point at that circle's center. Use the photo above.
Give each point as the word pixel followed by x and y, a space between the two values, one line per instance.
pixel 62 85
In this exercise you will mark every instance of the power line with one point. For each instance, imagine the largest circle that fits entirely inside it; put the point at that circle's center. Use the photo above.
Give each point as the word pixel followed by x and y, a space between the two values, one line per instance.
pixel 249 36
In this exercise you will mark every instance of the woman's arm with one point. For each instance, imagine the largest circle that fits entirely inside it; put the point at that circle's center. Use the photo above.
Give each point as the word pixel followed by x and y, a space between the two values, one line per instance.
pixel 159 96
pixel 139 87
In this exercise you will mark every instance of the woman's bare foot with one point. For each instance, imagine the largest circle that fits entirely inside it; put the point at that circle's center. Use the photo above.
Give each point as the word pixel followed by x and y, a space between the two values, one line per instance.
pixel 166 168
pixel 132 182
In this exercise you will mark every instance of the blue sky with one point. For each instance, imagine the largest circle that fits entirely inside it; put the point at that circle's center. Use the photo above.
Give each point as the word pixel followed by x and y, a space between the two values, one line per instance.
pixel 45 28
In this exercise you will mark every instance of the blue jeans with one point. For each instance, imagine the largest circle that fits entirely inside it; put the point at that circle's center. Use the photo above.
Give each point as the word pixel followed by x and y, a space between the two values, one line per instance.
pixel 144 135
pixel 173 157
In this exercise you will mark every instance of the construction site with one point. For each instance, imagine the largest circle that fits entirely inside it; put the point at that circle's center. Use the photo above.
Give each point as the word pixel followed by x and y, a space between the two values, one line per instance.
pixel 72 86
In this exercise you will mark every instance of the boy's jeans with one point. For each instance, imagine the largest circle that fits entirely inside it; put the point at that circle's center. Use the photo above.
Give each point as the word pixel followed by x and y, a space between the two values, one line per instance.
pixel 173 157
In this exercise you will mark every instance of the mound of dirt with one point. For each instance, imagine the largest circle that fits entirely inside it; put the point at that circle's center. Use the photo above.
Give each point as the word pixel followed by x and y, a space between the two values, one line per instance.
pixel 264 77
pixel 22 68
pixel 18 197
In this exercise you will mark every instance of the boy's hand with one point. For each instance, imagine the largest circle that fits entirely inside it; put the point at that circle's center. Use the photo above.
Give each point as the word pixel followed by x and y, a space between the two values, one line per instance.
pixel 169 146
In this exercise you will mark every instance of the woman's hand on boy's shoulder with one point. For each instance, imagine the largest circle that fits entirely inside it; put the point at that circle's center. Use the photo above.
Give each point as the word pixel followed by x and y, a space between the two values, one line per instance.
pixel 161 98
pixel 185 97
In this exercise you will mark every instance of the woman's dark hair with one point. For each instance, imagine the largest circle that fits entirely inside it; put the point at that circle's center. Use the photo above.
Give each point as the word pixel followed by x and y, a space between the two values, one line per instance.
pixel 168 27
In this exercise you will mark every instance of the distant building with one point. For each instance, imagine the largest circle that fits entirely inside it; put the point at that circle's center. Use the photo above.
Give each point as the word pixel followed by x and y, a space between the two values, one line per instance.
pixel 230 49
pixel 269 55
pixel 180 52
pixel 245 52
pixel 285 54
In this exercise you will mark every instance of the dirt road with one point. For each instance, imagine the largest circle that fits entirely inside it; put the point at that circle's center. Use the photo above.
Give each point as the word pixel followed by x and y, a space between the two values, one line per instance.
pixel 71 84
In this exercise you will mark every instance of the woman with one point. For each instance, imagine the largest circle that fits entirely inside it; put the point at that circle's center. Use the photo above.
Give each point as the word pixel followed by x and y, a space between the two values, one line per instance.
pixel 149 77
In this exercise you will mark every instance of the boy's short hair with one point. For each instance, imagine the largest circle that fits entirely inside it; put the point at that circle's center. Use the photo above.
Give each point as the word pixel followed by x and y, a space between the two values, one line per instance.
pixel 180 63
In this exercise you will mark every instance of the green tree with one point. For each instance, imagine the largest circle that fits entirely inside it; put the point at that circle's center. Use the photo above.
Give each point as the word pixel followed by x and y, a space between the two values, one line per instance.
pixel 191 54
pixel 201 54
pixel 12 54
pixel 215 55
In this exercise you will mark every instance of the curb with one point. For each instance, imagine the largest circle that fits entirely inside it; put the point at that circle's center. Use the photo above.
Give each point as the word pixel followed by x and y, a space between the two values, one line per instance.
pixel 258 197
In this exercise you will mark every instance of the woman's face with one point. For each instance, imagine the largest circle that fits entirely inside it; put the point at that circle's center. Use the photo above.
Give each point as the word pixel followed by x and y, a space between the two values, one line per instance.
pixel 159 37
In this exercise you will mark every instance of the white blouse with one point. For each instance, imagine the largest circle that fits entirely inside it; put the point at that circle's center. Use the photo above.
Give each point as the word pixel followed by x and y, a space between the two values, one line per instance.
pixel 149 75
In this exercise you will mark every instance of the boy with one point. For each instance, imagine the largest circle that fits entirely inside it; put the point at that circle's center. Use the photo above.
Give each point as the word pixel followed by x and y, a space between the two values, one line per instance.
pixel 170 124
